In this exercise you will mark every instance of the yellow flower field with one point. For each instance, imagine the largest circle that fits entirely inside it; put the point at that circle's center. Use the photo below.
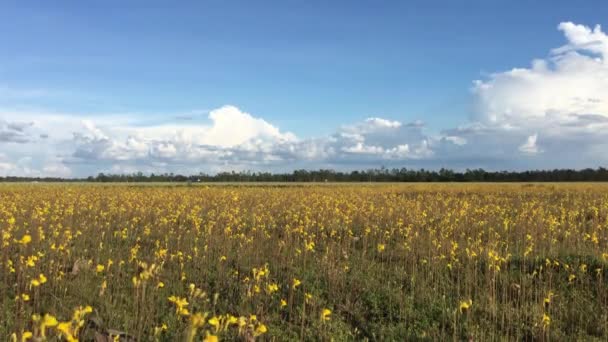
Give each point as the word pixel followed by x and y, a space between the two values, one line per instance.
pixel 311 262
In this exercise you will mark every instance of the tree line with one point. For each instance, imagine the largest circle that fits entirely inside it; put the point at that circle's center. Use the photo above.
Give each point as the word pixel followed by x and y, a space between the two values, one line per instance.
pixel 327 175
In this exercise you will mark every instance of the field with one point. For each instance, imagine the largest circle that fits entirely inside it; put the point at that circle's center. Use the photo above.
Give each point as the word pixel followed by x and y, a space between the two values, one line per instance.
pixel 304 262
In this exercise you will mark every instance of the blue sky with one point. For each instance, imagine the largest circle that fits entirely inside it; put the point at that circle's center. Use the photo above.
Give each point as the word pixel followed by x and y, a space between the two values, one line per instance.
pixel 309 69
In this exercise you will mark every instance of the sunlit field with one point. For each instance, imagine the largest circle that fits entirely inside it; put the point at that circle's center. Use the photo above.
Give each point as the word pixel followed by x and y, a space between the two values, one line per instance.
pixel 303 262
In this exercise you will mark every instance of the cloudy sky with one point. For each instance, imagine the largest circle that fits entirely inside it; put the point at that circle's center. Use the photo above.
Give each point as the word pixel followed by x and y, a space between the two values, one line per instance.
pixel 125 86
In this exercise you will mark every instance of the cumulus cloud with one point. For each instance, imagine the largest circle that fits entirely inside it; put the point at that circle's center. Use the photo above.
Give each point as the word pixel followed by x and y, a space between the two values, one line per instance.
pixel 573 81
pixel 530 146
pixel 583 37
pixel 230 130
pixel 376 139
pixel 563 98
pixel 229 139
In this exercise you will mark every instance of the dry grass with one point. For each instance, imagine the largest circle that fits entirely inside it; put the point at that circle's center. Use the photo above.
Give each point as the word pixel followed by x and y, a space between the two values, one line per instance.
pixel 348 262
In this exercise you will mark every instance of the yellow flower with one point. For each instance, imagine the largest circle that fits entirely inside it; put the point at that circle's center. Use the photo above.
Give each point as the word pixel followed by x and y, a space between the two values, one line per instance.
pixel 39 281
pixel 232 320
pixel 210 338
pixel 571 278
pixel 310 246
pixel 180 305
pixel 47 321
pixel 31 261
pixel 214 322
pixel 65 329
pixel 27 238
pixel 80 312
pixel 197 320
pixel 546 320
pixel 283 302
pixel 381 247
pixel 100 268
pixel 160 285
pixel 325 314
pixel 295 283
pixel 136 281
pixel 307 296
pixel 548 299
pixel 26 336
pixel 160 329
pixel 261 329
pixel 270 288
pixel 465 305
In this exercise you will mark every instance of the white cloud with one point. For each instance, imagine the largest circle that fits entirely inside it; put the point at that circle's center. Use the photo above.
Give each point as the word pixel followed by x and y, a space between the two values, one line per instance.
pixel 456 140
pixel 6 167
pixel 379 123
pixel 530 146
pixel 229 130
pixel 25 166
pixel 14 132
pixel 232 127
pixel 232 139
pixel 583 37
pixel 360 148
pixel 572 81
pixel 56 169
pixel 563 98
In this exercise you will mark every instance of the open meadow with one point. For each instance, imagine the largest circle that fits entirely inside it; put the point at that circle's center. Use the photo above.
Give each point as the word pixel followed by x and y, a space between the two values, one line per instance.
pixel 303 262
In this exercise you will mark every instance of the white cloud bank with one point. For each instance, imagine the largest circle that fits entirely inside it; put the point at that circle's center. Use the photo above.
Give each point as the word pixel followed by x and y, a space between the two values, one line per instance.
pixel 231 139
pixel 551 114
pixel 572 82
pixel 558 106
